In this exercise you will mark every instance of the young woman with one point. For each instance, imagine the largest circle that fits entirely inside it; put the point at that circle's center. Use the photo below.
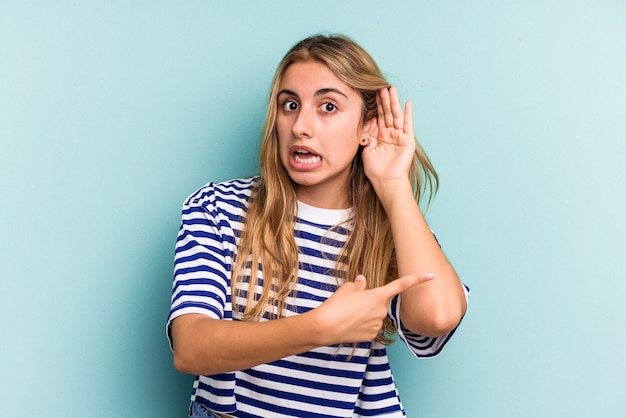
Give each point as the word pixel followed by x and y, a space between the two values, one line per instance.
pixel 289 284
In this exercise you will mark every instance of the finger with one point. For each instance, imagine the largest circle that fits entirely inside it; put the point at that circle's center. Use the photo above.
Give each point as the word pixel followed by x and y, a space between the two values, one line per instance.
pixel 408 119
pixel 381 112
pixel 386 105
pixel 360 282
pixel 405 282
pixel 396 109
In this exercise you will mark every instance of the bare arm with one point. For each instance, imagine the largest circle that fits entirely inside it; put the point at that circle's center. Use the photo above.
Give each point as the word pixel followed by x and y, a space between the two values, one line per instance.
pixel 436 307
pixel 207 346
pixel 352 314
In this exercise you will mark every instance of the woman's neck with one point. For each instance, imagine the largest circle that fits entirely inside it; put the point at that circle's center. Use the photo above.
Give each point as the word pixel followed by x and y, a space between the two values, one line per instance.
pixel 324 198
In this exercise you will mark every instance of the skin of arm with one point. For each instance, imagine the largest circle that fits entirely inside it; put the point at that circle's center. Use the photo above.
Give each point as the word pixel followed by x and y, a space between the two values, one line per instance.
pixel 206 346
pixel 437 307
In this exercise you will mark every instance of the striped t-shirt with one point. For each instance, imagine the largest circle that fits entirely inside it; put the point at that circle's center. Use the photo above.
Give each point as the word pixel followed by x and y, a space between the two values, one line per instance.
pixel 328 381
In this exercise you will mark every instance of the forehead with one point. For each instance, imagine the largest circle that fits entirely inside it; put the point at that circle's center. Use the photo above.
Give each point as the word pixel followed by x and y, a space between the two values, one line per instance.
pixel 311 77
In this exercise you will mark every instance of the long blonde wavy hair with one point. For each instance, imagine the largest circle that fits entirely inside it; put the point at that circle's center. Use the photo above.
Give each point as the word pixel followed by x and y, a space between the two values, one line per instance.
pixel 268 233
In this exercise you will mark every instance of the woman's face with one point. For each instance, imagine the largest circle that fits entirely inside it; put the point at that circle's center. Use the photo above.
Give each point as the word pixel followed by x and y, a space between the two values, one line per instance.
pixel 318 122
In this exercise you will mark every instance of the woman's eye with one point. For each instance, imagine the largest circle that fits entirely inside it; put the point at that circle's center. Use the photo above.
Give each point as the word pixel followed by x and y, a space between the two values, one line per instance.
pixel 288 105
pixel 329 107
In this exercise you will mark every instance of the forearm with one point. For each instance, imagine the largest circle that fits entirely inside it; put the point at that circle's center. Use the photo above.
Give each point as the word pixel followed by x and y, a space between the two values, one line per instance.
pixel 436 307
pixel 351 314
pixel 208 346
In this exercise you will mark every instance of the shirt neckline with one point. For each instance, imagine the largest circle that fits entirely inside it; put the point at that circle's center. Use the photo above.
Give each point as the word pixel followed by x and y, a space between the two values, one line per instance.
pixel 322 215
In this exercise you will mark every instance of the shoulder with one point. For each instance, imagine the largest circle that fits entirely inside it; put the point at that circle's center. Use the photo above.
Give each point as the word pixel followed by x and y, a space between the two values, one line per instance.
pixel 234 192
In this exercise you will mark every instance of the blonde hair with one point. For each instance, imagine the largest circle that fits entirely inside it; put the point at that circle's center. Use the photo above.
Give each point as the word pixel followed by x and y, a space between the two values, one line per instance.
pixel 267 237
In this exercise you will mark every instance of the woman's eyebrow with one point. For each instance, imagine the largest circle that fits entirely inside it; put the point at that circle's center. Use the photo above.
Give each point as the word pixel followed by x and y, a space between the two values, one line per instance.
pixel 288 92
pixel 320 92
pixel 330 90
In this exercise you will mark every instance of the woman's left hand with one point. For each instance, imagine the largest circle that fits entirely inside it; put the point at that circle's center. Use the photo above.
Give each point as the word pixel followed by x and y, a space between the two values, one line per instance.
pixel 389 155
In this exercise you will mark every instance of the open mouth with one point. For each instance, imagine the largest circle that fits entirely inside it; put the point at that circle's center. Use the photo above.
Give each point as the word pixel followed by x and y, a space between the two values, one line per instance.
pixel 304 156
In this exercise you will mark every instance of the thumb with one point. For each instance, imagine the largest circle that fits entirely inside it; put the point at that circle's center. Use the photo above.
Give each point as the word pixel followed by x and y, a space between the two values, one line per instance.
pixel 360 282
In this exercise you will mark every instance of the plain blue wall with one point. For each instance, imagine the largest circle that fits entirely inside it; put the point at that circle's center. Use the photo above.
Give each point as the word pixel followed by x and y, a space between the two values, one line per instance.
pixel 111 113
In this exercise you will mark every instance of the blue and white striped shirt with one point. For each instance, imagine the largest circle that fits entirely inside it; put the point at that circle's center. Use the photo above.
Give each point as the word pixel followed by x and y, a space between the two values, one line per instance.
pixel 329 381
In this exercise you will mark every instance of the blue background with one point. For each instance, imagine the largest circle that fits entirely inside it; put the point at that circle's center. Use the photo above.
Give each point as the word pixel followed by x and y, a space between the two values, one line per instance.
pixel 112 112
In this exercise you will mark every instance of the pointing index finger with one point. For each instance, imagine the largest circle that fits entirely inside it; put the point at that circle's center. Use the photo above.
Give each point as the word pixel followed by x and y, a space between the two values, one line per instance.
pixel 405 282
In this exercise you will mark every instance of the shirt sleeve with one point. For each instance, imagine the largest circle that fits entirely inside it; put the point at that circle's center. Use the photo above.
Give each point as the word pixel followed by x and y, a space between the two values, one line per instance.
pixel 420 346
pixel 202 261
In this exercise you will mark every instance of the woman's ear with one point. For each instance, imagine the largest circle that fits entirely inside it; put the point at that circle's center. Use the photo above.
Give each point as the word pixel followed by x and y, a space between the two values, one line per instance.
pixel 370 128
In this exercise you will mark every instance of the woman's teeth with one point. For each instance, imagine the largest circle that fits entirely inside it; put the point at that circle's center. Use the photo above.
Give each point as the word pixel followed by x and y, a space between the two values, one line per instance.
pixel 306 158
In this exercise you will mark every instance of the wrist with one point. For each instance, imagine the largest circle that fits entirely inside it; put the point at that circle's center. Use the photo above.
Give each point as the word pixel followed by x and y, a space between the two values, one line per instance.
pixel 315 327
pixel 393 192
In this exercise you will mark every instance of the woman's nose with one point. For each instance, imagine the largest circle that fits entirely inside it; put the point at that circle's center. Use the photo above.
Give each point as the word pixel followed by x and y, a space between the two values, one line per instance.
pixel 303 125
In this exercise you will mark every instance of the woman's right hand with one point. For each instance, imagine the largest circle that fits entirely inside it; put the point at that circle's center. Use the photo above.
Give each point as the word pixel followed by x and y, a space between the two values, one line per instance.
pixel 355 314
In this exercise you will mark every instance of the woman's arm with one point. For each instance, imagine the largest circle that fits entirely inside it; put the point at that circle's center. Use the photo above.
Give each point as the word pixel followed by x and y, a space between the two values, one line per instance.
pixel 434 308
pixel 207 346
